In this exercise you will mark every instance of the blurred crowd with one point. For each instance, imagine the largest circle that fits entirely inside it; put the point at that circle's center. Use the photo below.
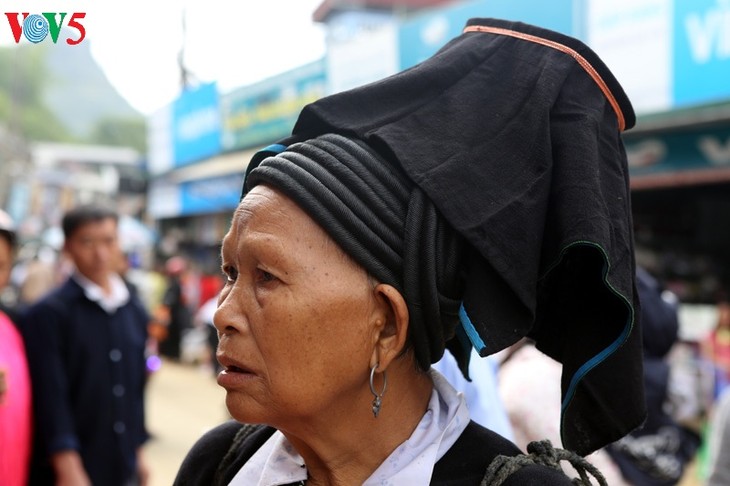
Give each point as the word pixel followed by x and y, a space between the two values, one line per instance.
pixel 81 331
pixel 177 292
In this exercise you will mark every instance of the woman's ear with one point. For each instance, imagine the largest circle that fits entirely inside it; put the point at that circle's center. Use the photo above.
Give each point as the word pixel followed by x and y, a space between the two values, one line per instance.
pixel 392 326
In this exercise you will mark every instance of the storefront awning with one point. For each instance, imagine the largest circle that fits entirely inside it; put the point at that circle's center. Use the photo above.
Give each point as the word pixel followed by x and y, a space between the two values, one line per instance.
pixel 694 155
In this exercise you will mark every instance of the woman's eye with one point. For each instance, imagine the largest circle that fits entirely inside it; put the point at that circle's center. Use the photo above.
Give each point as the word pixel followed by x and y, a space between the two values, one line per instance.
pixel 264 276
pixel 230 273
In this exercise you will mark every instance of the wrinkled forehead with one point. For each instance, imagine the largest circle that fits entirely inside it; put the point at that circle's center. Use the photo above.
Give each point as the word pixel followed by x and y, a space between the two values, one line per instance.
pixel 267 213
pixel 264 204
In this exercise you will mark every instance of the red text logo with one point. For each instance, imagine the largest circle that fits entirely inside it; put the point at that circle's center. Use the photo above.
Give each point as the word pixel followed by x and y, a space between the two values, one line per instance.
pixel 36 27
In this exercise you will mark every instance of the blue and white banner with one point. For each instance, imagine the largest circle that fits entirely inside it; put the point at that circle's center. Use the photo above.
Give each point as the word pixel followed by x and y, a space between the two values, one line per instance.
pixel 264 112
pixel 210 195
pixel 667 54
pixel 701 51
pixel 196 125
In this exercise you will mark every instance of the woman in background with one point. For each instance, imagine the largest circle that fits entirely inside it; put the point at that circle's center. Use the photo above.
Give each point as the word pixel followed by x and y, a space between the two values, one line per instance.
pixel 15 389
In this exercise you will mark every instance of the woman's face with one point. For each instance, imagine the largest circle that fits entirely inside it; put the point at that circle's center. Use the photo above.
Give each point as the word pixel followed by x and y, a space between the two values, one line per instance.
pixel 293 317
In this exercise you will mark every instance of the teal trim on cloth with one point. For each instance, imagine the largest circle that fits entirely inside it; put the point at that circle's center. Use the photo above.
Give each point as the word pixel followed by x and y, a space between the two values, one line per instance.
pixel 471 332
pixel 611 348
pixel 276 148
pixel 593 362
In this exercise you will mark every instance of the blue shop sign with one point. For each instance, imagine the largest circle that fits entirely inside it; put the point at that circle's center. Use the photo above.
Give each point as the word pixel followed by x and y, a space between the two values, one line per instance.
pixel 196 125
pixel 210 195
pixel 266 111
pixel 701 51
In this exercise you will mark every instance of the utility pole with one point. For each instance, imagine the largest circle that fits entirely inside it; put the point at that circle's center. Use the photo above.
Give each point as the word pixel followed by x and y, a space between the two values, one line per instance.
pixel 186 77
pixel 14 154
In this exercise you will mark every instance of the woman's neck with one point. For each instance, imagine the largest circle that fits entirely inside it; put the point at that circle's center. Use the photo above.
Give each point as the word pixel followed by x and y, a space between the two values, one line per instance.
pixel 352 447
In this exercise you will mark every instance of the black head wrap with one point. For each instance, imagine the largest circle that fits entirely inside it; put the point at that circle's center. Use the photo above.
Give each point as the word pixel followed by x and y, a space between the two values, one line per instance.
pixel 508 137
pixel 384 222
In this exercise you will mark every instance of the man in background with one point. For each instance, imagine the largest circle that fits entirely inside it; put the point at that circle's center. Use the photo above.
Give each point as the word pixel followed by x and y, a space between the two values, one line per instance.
pixel 86 350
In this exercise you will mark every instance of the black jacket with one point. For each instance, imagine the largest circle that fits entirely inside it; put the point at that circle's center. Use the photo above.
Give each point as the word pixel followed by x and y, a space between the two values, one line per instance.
pixel 88 372
pixel 464 464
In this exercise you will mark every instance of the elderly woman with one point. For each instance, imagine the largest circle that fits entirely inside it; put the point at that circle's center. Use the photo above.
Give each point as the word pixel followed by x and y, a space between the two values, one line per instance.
pixel 477 198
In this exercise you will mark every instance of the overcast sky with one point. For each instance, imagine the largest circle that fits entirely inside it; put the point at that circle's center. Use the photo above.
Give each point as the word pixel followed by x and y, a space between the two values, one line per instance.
pixel 232 42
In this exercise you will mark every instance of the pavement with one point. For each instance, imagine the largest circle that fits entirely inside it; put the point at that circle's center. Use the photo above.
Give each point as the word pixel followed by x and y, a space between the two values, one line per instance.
pixel 183 401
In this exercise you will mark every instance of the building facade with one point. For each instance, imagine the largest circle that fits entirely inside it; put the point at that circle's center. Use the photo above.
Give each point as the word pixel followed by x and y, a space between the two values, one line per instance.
pixel 671 56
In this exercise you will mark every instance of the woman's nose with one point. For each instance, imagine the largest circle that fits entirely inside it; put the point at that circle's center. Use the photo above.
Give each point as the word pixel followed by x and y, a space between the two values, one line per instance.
pixel 229 316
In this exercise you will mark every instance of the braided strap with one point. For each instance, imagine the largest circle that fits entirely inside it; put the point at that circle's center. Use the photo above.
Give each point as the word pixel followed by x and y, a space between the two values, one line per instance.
pixel 242 434
pixel 544 454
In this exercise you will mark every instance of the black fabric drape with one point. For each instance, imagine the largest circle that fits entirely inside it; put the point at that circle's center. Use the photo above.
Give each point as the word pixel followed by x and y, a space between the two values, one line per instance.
pixel 513 132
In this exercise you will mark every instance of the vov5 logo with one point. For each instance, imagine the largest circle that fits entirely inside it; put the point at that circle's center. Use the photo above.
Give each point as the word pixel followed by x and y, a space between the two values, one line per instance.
pixel 36 27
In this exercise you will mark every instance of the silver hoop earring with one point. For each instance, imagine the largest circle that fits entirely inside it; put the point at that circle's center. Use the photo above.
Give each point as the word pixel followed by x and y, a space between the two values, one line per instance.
pixel 378 401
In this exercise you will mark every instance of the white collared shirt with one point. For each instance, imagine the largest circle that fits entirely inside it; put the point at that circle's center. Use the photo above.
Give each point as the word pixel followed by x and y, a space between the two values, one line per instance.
pixel 110 303
pixel 277 462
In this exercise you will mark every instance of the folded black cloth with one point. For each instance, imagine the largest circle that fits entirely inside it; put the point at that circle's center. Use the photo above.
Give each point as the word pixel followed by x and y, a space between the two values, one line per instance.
pixel 513 132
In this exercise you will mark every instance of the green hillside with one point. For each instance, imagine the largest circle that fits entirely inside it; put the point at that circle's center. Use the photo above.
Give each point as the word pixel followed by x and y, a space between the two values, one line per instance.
pixel 80 94
pixel 57 92
pixel 22 82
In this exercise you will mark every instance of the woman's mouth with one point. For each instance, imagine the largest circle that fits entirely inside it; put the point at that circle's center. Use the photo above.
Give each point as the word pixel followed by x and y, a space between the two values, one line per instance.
pixel 234 374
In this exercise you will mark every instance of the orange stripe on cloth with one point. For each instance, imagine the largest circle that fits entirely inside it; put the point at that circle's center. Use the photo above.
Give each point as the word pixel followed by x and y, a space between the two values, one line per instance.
pixel 562 48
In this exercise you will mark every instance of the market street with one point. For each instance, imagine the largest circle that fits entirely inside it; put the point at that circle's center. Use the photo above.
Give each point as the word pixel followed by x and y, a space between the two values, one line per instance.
pixel 183 401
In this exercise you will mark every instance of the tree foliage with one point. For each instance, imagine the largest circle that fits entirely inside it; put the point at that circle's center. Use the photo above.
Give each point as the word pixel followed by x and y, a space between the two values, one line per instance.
pixel 126 132
pixel 23 77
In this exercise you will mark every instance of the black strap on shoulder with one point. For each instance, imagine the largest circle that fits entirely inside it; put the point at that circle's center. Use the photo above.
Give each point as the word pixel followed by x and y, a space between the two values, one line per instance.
pixel 243 433
pixel 541 453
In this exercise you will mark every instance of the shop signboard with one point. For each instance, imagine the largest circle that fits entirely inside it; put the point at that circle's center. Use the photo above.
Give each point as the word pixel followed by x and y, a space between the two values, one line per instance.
pixel 667 54
pixel 701 51
pixel 633 38
pixel 211 195
pixel 159 141
pixel 264 112
pixel 361 48
pixel 420 38
pixel 196 125
pixel 163 199
pixel 697 155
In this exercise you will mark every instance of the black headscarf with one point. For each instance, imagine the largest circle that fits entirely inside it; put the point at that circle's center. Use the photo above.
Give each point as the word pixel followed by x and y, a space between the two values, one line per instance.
pixel 508 143
pixel 384 222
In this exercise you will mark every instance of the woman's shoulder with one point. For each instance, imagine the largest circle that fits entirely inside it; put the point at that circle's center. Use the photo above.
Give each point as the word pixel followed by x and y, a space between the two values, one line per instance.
pixel 467 461
pixel 219 453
